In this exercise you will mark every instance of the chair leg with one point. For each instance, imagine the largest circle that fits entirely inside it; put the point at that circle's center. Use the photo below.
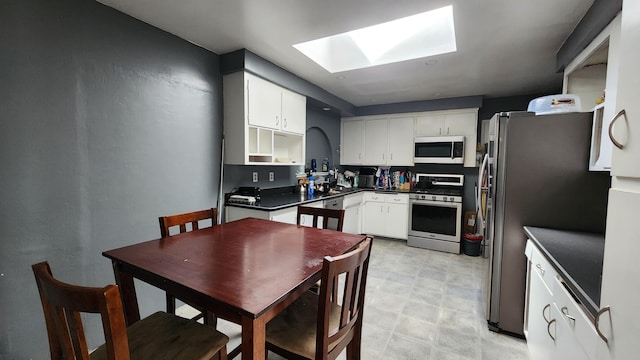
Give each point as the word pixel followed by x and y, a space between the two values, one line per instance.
pixel 210 318
pixel 171 304
pixel 222 354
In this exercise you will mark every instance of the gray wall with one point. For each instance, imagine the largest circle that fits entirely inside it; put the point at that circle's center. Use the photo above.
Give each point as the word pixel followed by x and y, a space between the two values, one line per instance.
pixel 106 123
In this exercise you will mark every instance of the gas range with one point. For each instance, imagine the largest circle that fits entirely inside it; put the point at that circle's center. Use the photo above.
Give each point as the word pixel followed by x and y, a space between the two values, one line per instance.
pixel 435 212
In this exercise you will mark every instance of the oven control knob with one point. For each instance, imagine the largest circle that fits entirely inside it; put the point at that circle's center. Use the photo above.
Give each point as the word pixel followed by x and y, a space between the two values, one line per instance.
pixel 433 198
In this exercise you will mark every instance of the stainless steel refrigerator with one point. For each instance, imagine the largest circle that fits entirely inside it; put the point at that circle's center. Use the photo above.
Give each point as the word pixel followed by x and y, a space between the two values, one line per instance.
pixel 537 175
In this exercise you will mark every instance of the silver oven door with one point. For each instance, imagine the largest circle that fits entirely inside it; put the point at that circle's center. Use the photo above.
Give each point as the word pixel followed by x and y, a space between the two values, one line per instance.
pixel 435 219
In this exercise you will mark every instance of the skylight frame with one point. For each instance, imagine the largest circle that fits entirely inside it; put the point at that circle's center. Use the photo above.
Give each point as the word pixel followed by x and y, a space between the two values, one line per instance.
pixel 393 41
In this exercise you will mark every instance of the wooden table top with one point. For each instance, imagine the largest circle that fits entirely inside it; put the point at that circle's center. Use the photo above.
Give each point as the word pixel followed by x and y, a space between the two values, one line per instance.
pixel 248 264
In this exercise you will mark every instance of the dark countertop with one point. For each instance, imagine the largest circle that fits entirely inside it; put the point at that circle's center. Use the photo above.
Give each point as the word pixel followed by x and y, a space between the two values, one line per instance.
pixel 577 257
pixel 282 198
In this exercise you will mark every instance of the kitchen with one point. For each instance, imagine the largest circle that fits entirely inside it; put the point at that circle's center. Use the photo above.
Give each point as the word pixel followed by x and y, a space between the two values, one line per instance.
pixel 77 158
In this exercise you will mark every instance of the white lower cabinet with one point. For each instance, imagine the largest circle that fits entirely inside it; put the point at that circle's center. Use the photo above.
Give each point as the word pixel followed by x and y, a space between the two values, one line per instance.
pixel 538 315
pixel 307 220
pixel 288 215
pixel 555 326
pixel 352 205
pixel 386 215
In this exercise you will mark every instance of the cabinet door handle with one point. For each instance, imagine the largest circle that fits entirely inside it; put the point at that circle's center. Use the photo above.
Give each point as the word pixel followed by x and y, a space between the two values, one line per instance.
pixel 382 156
pixel 284 122
pixel 543 310
pixel 277 120
pixel 597 322
pixel 391 157
pixel 613 139
pixel 565 311
pixel 549 329
pixel 540 268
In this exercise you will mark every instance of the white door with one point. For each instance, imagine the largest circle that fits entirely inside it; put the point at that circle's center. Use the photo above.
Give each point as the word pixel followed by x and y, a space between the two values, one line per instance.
pixel 352 144
pixel 539 332
pixel 375 218
pixel 464 123
pixel 401 150
pixel 375 143
pixel 430 125
pixel 351 222
pixel 264 103
pixel 397 220
pixel 294 112
pixel 626 162
pixel 620 274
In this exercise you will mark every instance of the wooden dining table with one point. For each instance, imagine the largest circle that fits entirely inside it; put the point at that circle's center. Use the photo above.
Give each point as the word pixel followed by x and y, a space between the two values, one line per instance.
pixel 245 271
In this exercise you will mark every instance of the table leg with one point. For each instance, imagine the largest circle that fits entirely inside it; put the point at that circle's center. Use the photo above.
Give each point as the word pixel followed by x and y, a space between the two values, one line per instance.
pixel 127 294
pixel 253 338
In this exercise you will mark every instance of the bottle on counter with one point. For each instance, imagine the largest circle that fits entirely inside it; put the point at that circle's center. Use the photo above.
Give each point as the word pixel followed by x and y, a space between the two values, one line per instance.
pixel 313 165
pixel 311 186
pixel 325 165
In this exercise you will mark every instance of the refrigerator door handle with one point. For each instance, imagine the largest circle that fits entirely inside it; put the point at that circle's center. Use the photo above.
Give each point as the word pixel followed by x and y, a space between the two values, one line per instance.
pixel 483 170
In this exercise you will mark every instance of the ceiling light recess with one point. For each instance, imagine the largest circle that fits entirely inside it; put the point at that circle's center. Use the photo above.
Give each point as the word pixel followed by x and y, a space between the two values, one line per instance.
pixel 413 37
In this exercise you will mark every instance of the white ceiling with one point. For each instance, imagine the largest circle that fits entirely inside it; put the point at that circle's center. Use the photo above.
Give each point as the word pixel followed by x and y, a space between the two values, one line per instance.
pixel 505 47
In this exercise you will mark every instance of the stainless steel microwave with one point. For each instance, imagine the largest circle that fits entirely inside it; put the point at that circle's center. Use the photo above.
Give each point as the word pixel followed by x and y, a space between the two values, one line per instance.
pixel 438 150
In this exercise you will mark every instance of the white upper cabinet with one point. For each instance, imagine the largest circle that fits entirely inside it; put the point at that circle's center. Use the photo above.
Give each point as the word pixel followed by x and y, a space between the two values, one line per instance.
pixel 263 102
pixel 626 128
pixel 592 74
pixel 401 133
pixel 620 269
pixel 271 106
pixel 294 110
pixel 378 141
pixel 352 142
pixel 264 124
pixel 449 122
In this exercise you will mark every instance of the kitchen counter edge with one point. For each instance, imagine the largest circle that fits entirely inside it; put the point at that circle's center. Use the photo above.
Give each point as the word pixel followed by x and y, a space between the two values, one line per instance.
pixel 294 199
pixel 578 272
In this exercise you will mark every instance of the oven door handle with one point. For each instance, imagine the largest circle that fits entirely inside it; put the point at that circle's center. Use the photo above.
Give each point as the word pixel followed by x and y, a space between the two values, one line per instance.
pixel 436 203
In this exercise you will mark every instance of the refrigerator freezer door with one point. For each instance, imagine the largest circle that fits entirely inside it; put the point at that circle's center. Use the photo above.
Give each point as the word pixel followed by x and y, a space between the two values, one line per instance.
pixel 540 179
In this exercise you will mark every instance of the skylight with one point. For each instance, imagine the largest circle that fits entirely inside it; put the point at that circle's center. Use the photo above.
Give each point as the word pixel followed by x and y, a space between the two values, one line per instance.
pixel 417 36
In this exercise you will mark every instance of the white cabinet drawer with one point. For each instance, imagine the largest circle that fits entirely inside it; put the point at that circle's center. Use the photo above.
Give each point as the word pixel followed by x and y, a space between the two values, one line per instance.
pixel 577 320
pixel 397 199
pixel 544 269
pixel 352 200
pixel 374 197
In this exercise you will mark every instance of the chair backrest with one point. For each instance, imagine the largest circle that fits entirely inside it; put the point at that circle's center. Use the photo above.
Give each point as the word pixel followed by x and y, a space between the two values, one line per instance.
pixel 182 220
pixel 352 267
pixel 62 304
pixel 326 214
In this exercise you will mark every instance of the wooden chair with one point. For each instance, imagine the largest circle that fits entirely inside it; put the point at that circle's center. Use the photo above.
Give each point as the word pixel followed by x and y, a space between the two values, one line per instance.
pixel 159 336
pixel 181 220
pixel 315 327
pixel 326 214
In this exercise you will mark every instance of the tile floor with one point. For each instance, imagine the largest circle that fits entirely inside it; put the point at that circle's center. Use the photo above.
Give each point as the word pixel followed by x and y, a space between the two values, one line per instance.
pixel 422 304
